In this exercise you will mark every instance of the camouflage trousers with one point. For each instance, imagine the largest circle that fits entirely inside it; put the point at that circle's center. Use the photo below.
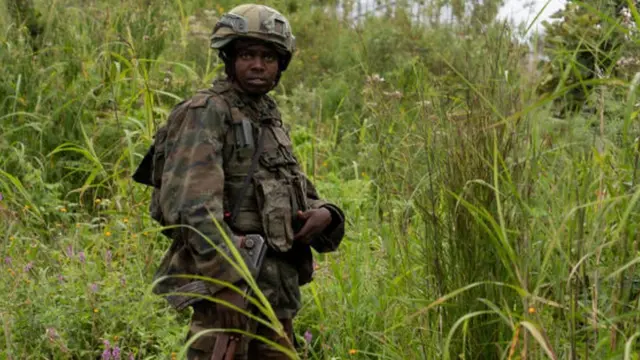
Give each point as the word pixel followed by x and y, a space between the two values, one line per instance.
pixel 204 317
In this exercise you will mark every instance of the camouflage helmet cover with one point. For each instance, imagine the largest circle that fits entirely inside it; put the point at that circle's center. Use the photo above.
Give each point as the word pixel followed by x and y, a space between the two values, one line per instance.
pixel 257 22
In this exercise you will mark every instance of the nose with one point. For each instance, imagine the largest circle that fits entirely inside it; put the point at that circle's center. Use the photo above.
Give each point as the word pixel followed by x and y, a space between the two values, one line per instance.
pixel 258 63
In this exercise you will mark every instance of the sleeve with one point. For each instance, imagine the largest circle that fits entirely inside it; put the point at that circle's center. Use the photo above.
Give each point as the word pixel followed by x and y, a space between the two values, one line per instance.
pixel 193 187
pixel 332 236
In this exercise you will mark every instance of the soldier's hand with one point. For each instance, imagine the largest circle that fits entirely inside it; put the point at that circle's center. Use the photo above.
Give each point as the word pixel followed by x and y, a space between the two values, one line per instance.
pixel 315 221
pixel 229 318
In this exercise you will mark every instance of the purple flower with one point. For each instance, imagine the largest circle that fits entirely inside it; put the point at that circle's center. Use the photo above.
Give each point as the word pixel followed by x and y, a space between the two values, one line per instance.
pixel 1 197
pixel 94 287
pixel 81 257
pixel 131 357
pixel 308 336
pixel 60 278
pixel 28 267
pixel 52 334
pixel 7 260
pixel 115 353
pixel 106 354
pixel 69 251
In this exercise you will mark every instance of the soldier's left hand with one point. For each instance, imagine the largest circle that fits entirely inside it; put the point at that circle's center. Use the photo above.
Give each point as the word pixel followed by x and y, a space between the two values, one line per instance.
pixel 315 221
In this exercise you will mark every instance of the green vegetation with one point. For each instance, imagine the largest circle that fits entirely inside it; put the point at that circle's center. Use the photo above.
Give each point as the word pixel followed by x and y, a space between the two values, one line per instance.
pixel 480 224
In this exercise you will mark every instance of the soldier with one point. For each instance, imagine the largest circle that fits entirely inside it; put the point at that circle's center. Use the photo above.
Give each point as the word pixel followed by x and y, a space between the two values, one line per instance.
pixel 224 153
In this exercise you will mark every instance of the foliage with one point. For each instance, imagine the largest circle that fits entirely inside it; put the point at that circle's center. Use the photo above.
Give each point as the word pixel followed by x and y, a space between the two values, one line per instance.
pixel 585 44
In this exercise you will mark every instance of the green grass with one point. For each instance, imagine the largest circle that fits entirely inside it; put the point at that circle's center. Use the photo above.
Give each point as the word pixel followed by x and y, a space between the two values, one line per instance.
pixel 479 226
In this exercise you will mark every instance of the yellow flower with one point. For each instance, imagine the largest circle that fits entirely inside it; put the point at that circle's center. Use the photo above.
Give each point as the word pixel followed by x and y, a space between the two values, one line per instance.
pixel 115 338
pixel 353 352
pixel 107 233
pixel 173 356
pixel 145 233
pixel 532 310
pixel 11 238
pixel 64 210
pixel 125 220
pixel 77 226
pixel 134 236
pixel 324 163
pixel 95 310
pixel 98 201
pixel 26 207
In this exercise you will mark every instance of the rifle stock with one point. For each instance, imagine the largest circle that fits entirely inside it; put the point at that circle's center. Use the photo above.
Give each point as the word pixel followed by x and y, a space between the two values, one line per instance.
pixel 226 343
pixel 256 248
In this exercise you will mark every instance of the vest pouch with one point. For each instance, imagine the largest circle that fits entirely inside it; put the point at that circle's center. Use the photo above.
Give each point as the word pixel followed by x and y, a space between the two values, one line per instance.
pixel 274 201
pixel 273 159
pixel 277 152
pixel 243 140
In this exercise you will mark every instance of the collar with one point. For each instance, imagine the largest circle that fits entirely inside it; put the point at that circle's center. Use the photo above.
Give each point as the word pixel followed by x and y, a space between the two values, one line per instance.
pixel 263 106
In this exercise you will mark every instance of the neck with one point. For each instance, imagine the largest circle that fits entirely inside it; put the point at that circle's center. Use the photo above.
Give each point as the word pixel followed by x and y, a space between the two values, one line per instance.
pixel 254 96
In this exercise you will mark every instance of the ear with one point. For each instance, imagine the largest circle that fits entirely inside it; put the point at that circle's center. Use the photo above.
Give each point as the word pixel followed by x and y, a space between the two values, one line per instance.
pixel 229 60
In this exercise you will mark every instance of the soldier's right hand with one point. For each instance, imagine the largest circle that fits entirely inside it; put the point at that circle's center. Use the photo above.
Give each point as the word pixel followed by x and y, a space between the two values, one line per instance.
pixel 228 317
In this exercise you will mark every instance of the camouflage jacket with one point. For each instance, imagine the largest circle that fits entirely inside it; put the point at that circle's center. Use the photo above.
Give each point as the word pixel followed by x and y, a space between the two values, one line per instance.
pixel 204 152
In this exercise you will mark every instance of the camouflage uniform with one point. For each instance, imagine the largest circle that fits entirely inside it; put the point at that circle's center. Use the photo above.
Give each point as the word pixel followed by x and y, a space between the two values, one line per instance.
pixel 199 168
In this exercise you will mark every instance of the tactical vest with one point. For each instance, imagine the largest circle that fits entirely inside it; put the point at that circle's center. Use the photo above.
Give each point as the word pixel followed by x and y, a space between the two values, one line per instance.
pixel 262 200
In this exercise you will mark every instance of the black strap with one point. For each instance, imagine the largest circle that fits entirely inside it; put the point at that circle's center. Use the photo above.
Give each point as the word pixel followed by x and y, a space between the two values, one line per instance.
pixel 245 185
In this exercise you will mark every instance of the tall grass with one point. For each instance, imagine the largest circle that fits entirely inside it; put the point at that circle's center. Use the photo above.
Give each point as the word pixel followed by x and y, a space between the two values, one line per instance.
pixel 479 225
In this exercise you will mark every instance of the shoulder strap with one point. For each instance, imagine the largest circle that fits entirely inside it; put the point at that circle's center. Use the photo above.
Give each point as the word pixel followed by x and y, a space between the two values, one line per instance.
pixel 252 168
pixel 239 126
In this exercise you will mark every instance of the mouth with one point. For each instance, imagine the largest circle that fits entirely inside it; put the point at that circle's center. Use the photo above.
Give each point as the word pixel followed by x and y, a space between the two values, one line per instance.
pixel 257 81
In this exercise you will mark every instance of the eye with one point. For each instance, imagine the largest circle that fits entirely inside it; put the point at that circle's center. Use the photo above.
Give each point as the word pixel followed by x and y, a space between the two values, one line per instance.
pixel 270 58
pixel 245 55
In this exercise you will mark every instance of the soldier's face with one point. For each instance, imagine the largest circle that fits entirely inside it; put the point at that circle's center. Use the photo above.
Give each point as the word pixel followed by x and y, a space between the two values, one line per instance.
pixel 256 67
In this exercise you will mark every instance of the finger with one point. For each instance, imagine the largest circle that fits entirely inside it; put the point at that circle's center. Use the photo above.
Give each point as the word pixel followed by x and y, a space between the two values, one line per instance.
pixel 304 215
pixel 303 233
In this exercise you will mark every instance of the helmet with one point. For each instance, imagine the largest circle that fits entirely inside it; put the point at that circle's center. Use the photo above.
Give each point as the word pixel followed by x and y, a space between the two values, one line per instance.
pixel 256 22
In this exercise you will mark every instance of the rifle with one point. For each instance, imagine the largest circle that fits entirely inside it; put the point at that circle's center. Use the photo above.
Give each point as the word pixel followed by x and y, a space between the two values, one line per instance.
pixel 226 343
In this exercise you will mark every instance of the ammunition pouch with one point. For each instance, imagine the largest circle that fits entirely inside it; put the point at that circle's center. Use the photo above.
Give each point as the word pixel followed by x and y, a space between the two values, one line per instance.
pixel 276 213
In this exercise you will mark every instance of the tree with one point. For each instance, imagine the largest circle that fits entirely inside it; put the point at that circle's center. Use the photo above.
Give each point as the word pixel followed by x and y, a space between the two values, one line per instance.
pixel 585 43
